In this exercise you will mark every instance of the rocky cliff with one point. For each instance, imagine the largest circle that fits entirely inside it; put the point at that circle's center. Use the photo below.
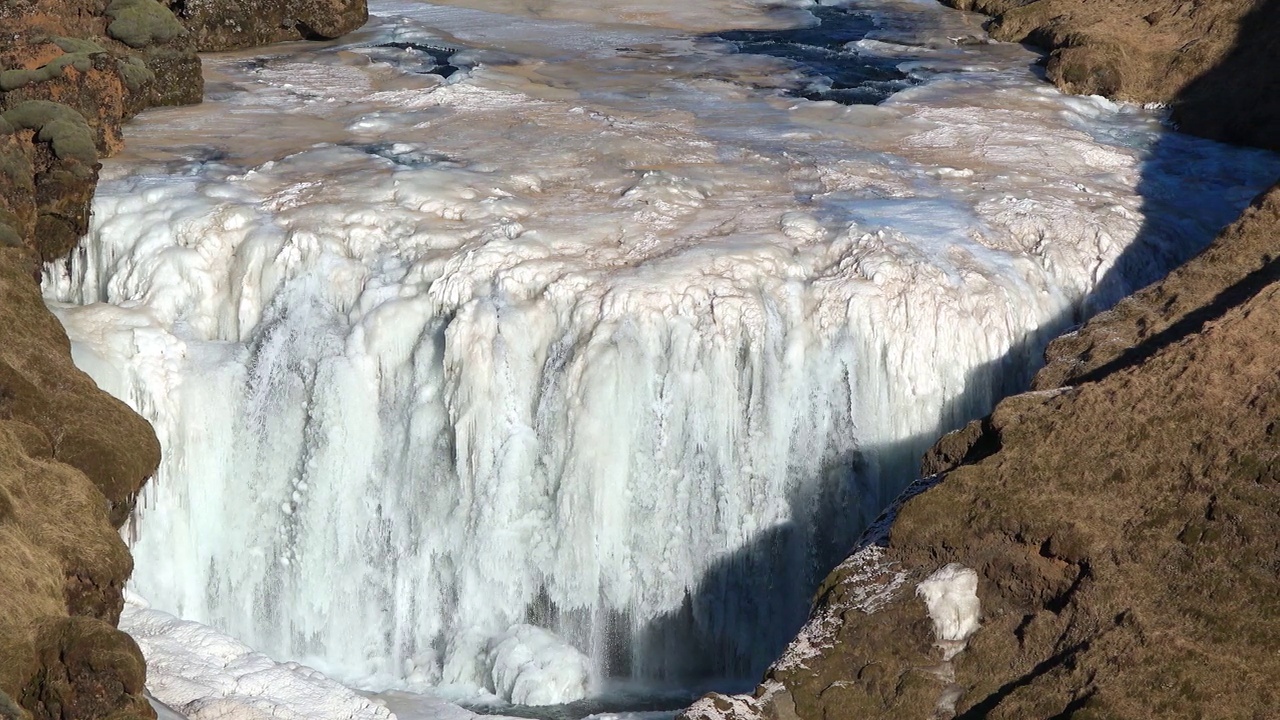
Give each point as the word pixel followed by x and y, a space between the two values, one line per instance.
pixel 1119 518
pixel 72 458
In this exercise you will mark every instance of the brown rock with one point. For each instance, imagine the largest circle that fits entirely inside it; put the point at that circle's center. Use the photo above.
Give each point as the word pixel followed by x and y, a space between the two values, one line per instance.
pixel 231 24
pixel 88 670
pixel 1235 266
pixel 1214 60
pixel 72 458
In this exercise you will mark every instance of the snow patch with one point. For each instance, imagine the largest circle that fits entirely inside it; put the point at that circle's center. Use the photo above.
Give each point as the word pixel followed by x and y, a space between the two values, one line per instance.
pixel 951 594
pixel 207 675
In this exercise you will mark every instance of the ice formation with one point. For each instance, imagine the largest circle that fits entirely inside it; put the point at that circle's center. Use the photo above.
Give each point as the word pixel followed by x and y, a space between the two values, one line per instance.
pixel 951 595
pixel 206 675
pixel 530 666
pixel 594 336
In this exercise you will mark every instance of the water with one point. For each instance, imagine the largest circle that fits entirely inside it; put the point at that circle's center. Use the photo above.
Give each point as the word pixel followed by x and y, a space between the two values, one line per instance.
pixel 509 356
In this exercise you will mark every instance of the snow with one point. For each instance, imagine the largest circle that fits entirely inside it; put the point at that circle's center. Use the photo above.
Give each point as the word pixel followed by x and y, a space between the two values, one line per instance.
pixel 203 674
pixel 951 595
pixel 594 335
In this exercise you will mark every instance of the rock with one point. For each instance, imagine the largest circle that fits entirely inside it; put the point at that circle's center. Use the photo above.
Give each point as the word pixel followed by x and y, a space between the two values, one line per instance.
pixel 232 24
pixel 72 459
pixel 1238 263
pixel 1213 60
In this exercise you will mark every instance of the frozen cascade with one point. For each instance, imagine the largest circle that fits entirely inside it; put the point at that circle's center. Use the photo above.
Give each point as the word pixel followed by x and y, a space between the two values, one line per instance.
pixel 527 348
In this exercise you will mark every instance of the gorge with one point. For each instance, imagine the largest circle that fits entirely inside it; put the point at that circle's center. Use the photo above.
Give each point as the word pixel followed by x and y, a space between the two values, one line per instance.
pixel 389 401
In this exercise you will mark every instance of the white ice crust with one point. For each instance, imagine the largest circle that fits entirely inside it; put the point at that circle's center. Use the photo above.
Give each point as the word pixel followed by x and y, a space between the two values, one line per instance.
pixel 531 666
pixel 595 327
pixel 206 675
pixel 951 595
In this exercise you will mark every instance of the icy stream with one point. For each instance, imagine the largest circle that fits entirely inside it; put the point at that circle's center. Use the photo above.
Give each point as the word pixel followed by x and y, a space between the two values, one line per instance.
pixel 589 360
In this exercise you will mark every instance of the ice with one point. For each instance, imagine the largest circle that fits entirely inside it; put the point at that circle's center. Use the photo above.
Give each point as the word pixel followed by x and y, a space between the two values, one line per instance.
pixel 531 666
pixel 951 595
pixel 597 336
pixel 205 675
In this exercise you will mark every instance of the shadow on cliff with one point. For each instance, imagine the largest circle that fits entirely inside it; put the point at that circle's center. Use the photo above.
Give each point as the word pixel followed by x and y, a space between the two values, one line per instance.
pixel 753 601
pixel 745 609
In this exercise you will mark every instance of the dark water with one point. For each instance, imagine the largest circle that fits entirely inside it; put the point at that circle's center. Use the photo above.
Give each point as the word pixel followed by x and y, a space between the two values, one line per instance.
pixel 832 70
pixel 431 59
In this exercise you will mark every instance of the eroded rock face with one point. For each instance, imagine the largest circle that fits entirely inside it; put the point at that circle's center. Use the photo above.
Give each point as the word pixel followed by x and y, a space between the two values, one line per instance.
pixel 231 24
pixel 72 458
pixel 1120 517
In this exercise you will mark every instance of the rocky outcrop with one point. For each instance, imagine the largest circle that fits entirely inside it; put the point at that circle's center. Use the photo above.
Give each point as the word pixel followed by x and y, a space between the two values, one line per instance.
pixel 1120 517
pixel 231 24
pixel 72 458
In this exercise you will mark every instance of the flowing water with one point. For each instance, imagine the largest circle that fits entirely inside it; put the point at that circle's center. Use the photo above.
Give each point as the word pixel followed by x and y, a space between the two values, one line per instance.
pixel 526 349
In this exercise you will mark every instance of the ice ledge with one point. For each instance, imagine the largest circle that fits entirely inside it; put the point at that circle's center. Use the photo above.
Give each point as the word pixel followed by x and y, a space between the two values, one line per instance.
pixel 206 675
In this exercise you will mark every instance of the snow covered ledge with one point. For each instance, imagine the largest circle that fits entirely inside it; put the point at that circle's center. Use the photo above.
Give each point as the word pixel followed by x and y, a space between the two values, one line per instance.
pixel 206 675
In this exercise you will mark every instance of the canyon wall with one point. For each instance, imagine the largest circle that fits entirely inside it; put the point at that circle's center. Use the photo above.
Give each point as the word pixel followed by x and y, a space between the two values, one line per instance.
pixel 73 458
pixel 1120 517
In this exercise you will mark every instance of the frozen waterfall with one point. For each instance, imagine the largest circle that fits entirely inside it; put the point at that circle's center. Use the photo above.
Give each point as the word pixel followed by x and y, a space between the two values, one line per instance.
pixel 590 360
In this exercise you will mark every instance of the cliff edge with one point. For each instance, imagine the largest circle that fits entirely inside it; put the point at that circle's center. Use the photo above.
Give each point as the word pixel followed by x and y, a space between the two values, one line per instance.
pixel 72 458
pixel 1103 546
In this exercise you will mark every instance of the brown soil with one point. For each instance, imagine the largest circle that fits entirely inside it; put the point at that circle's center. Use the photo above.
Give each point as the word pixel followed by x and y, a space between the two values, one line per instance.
pixel 1121 516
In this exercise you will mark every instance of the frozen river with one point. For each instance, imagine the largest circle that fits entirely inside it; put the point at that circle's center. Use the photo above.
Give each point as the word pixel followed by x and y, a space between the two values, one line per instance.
pixel 524 352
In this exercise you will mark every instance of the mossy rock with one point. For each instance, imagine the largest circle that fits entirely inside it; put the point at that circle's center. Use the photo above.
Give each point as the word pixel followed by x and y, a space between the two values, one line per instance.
pixel 140 23
pixel 78 55
pixel 60 126
pixel 79 46
pixel 14 79
pixel 135 72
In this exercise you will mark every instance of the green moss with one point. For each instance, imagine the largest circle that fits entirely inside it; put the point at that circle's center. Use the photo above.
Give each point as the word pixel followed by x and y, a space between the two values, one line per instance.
pixel 77 45
pixel 139 23
pixel 79 55
pixel 60 126
pixel 135 73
